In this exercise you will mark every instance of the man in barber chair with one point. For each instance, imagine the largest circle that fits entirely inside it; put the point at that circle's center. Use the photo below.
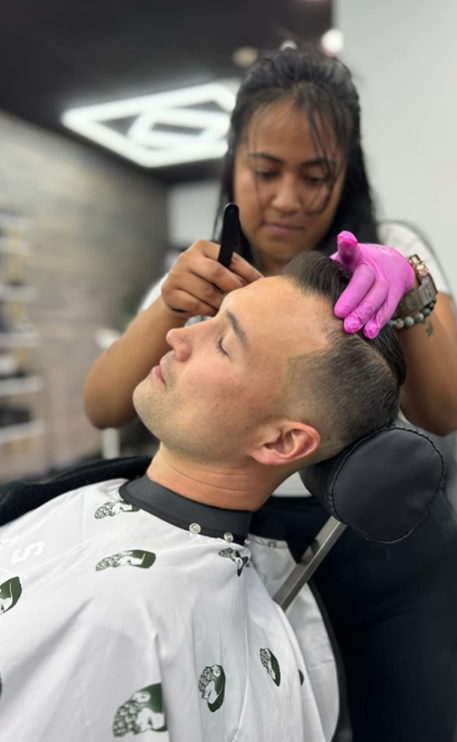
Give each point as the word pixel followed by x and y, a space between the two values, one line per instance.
pixel 130 603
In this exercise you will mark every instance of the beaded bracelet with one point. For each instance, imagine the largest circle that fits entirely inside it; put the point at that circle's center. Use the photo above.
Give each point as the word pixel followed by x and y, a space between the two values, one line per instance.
pixel 401 322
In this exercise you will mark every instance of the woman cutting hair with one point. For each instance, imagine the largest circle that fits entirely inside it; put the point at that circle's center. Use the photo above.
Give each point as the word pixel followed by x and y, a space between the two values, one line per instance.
pixel 295 167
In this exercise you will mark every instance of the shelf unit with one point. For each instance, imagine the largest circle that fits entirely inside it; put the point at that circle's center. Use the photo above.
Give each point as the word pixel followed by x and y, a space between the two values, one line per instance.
pixel 24 385
pixel 18 449
pixel 17 247
pixel 19 339
pixel 17 293
pixel 22 431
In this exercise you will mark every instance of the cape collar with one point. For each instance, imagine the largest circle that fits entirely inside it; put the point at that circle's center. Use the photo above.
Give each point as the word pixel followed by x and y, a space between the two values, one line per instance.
pixel 196 517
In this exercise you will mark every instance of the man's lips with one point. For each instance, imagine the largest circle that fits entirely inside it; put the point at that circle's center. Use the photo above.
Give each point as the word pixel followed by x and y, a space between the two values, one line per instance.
pixel 162 370
pixel 156 373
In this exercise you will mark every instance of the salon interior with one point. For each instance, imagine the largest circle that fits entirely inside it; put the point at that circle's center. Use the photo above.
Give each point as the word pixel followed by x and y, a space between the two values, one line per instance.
pixel 113 123
pixel 94 211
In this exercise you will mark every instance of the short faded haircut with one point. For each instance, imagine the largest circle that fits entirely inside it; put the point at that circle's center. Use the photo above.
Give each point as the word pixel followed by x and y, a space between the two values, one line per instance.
pixel 353 387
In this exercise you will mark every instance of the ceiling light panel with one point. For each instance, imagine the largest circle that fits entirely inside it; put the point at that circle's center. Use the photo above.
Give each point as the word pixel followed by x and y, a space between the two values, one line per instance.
pixel 145 141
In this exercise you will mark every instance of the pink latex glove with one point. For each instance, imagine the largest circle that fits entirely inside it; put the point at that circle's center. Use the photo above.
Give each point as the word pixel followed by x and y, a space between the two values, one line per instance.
pixel 381 275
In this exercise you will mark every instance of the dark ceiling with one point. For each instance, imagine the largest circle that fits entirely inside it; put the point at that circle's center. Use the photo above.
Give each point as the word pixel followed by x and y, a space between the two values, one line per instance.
pixel 55 54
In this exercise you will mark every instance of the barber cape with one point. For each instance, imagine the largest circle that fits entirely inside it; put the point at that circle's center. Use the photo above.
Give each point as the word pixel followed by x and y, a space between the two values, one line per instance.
pixel 129 611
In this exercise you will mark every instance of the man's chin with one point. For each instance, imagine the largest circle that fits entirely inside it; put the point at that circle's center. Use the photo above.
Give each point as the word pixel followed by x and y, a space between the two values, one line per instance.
pixel 145 409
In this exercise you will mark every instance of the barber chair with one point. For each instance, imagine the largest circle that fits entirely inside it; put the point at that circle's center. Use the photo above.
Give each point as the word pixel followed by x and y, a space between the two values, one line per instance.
pixel 381 486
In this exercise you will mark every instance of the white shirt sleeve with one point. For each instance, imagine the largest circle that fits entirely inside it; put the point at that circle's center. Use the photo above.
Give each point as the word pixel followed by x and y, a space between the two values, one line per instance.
pixel 153 294
pixel 408 242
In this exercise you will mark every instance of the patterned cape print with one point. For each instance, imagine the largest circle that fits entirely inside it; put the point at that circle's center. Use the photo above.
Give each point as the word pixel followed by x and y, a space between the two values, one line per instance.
pixel 143 712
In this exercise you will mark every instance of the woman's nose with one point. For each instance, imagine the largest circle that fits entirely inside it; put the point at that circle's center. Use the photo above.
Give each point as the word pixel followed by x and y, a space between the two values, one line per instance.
pixel 287 196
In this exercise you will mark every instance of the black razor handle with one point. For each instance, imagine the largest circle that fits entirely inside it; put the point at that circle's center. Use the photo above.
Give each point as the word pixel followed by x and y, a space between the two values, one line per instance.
pixel 231 235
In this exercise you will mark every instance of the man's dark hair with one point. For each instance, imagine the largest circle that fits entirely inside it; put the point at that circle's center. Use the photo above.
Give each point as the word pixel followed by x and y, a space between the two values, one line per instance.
pixel 356 382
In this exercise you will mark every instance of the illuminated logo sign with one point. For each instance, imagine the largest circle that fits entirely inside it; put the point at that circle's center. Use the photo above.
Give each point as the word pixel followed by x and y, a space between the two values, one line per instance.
pixel 164 129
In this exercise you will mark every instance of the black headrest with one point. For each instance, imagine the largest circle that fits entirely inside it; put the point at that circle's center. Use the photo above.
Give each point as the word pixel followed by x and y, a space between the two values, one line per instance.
pixel 381 486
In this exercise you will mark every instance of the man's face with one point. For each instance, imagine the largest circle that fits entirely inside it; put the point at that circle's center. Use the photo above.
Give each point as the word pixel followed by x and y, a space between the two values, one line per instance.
pixel 227 377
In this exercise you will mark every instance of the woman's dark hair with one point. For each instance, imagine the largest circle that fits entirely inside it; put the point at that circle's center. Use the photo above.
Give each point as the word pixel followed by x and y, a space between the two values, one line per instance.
pixel 322 86
pixel 356 383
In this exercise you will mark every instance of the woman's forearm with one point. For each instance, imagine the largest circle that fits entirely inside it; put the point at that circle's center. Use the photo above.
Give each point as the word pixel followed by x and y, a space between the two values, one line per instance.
pixel 117 371
pixel 430 390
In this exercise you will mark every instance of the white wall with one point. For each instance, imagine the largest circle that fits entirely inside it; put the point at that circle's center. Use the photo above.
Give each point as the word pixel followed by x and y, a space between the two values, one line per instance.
pixel 403 54
pixel 191 212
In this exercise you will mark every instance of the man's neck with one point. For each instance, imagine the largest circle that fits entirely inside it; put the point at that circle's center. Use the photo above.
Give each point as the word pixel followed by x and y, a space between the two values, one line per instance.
pixel 242 487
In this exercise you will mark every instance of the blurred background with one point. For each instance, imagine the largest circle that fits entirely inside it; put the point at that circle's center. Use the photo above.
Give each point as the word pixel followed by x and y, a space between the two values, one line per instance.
pixel 112 123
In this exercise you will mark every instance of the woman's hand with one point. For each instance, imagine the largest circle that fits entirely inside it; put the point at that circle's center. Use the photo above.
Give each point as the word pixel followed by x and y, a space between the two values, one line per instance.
pixel 197 283
pixel 381 276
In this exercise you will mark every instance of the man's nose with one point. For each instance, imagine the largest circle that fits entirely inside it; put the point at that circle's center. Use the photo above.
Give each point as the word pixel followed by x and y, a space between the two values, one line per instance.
pixel 287 196
pixel 178 340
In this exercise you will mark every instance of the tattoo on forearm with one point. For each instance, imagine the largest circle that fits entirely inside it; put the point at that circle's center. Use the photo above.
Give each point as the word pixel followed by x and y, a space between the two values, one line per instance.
pixel 429 329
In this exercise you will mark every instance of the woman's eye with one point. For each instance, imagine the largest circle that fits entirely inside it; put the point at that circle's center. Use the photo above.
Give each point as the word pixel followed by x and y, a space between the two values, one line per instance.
pixel 221 347
pixel 265 174
pixel 316 181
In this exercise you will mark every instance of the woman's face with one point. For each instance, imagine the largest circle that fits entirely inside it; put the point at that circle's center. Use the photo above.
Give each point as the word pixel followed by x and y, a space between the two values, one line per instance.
pixel 282 184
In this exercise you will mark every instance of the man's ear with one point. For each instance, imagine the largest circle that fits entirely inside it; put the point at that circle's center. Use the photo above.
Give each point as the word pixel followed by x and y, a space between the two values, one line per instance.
pixel 287 443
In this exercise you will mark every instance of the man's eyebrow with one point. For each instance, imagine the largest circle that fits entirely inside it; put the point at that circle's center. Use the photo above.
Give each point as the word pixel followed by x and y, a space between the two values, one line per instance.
pixel 237 329
pixel 321 161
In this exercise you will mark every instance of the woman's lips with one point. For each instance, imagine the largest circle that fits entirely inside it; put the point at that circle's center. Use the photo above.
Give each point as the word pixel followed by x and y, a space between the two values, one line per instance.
pixel 282 229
